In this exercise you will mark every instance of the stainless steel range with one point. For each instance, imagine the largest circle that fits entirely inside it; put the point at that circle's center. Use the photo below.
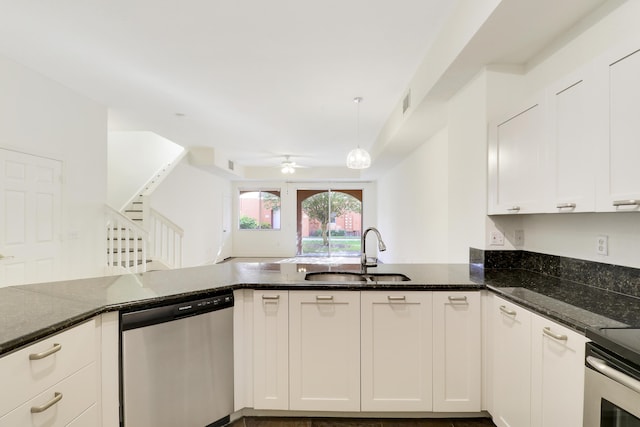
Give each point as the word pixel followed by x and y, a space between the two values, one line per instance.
pixel 612 378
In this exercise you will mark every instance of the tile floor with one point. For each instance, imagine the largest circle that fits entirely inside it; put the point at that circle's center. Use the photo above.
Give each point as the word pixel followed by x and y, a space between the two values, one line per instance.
pixel 356 422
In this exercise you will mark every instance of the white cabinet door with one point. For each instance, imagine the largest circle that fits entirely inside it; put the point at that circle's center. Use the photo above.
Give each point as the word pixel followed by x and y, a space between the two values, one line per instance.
pixel 621 185
pixel 396 351
pixel 516 162
pixel 557 374
pixel 271 350
pixel 456 352
pixel 324 350
pixel 576 131
pixel 511 364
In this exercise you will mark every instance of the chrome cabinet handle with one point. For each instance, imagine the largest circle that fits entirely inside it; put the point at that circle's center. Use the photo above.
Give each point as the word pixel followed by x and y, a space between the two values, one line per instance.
pixel 617 376
pixel 57 397
pixel 514 208
pixel 547 331
pixel 630 202
pixel 566 205
pixel 37 356
pixel 324 297
pixel 505 310
pixel 396 298
pixel 270 297
pixel 458 299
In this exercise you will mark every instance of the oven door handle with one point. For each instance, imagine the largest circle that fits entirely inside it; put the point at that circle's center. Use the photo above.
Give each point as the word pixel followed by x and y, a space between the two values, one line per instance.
pixel 617 376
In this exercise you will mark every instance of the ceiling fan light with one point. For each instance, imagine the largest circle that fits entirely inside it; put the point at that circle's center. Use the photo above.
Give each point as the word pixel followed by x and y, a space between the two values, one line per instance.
pixel 287 168
pixel 358 158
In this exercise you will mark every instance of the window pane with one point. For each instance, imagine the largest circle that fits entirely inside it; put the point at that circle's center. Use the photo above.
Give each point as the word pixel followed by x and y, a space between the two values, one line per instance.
pixel 259 210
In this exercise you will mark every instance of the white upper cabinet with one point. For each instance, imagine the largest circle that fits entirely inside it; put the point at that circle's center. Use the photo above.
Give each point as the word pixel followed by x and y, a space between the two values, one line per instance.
pixel 516 160
pixel 575 132
pixel 619 184
pixel 575 148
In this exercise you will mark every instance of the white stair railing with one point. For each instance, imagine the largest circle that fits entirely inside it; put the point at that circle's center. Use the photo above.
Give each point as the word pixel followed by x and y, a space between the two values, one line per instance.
pixel 126 244
pixel 166 240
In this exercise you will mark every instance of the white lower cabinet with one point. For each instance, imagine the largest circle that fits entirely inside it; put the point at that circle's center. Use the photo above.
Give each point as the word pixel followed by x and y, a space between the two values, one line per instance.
pixel 538 370
pixel 324 350
pixel 457 348
pixel 271 350
pixel 58 405
pixel 53 381
pixel 396 345
pixel 557 374
pixel 511 327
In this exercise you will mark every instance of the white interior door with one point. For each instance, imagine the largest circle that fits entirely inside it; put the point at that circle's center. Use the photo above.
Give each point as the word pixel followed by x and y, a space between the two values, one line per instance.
pixel 30 205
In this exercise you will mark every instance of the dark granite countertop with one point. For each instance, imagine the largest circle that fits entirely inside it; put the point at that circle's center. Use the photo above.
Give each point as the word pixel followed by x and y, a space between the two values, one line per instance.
pixel 32 312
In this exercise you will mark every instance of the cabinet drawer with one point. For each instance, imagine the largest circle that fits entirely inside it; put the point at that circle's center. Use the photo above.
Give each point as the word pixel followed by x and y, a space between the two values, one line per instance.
pixel 39 366
pixel 87 418
pixel 75 393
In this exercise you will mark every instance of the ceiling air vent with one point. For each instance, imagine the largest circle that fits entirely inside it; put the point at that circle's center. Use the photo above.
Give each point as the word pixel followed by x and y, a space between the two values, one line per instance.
pixel 231 165
pixel 406 102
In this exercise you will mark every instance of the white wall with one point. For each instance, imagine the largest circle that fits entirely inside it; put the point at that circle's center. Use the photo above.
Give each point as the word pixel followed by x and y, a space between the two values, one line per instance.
pixel 198 202
pixel 133 158
pixel 43 118
pixel 467 169
pixel 434 202
pixel 413 203
pixel 283 242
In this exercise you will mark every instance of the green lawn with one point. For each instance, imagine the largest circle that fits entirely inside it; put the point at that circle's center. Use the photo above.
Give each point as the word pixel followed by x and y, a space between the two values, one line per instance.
pixel 339 245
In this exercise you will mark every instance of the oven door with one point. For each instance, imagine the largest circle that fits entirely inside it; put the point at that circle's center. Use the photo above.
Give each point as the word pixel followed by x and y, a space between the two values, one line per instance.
pixel 612 392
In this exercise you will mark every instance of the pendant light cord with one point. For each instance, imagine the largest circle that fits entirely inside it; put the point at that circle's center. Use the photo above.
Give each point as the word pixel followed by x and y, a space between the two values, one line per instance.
pixel 357 100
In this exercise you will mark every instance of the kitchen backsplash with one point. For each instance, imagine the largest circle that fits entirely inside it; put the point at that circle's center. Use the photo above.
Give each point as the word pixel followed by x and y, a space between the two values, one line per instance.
pixel 616 278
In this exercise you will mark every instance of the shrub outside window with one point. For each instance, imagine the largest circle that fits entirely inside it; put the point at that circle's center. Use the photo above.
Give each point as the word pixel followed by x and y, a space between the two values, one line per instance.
pixel 259 210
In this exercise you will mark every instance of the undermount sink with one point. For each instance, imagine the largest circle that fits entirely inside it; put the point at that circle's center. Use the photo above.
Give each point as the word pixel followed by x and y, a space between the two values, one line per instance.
pixel 335 277
pixel 388 277
pixel 355 277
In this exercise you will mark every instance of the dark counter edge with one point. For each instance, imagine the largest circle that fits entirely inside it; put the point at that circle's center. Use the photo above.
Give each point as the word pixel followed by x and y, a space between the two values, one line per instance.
pixel 25 340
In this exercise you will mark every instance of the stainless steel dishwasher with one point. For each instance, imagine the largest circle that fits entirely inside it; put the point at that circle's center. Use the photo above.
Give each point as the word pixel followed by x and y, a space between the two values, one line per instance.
pixel 177 364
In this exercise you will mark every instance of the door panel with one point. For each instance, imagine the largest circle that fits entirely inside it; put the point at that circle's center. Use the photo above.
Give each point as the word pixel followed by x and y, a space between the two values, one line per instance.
pixel 30 203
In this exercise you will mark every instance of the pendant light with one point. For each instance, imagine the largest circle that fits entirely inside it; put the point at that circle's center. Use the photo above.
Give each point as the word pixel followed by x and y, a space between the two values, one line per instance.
pixel 358 158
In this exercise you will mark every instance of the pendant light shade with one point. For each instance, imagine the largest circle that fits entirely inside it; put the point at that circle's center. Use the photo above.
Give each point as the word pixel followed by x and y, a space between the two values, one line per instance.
pixel 358 158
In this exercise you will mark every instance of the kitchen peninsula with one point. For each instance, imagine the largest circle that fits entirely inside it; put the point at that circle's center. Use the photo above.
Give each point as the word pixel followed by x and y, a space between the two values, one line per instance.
pixel 34 312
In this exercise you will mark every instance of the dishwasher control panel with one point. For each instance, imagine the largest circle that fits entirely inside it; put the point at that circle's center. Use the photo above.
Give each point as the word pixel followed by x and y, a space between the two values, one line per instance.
pixel 203 305
pixel 167 313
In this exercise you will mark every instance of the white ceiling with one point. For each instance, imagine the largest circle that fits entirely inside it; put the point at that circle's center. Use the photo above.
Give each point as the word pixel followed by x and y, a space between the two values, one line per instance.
pixel 256 78
pixel 259 79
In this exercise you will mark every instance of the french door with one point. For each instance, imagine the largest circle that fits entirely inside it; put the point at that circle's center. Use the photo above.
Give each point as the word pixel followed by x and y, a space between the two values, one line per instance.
pixel 329 222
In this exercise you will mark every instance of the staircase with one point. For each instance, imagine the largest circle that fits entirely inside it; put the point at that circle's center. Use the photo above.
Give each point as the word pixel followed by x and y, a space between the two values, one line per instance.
pixel 126 244
pixel 139 238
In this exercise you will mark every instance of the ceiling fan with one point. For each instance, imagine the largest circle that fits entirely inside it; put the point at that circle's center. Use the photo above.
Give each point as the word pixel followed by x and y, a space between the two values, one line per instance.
pixel 288 166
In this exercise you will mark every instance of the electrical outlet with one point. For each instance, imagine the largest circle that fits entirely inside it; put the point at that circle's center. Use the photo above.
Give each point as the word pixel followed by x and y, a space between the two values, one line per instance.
pixel 602 245
pixel 518 238
pixel 496 238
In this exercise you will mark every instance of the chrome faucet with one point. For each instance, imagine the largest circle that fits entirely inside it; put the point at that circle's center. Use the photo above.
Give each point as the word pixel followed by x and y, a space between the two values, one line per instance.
pixel 370 262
